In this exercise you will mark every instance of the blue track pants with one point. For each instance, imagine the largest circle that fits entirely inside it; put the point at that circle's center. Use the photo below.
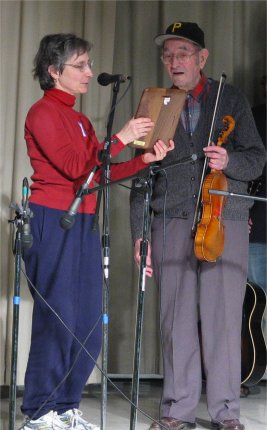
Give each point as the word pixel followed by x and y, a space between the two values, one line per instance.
pixel 66 268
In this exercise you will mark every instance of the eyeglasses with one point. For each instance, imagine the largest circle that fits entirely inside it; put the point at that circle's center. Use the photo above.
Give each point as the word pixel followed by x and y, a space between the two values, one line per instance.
pixel 81 67
pixel 182 57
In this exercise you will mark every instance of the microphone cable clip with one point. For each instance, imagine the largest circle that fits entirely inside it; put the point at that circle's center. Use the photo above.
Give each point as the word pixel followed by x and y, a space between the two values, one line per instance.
pixel 23 214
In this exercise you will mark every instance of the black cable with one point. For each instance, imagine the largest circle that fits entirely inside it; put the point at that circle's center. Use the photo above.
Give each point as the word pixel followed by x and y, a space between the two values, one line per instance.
pixel 64 378
pixel 87 352
pixel 119 100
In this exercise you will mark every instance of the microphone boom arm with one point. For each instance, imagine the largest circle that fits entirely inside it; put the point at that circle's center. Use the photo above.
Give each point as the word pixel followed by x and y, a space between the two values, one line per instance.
pixel 151 169
pixel 244 196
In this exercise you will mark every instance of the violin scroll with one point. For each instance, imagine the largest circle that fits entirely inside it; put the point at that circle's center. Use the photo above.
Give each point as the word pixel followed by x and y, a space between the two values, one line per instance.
pixel 229 125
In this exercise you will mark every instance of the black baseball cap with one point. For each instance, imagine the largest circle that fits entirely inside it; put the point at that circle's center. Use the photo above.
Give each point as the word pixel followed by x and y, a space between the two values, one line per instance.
pixel 182 30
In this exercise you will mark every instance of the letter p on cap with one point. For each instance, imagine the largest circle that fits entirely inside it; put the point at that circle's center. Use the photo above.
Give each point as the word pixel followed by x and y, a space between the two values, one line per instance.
pixel 175 26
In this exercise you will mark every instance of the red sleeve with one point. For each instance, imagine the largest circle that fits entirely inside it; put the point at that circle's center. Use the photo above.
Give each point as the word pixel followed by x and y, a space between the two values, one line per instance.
pixel 124 169
pixel 127 168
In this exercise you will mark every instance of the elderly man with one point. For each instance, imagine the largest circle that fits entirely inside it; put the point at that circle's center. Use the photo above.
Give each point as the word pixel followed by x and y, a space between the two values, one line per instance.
pixel 190 288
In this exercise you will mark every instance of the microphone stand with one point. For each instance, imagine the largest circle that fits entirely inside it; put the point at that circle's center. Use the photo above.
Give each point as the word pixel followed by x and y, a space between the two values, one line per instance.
pixel 147 187
pixel 145 178
pixel 229 194
pixel 22 217
pixel 106 251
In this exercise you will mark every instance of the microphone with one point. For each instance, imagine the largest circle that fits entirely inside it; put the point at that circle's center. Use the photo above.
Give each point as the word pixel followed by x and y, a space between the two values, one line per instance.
pixel 185 160
pixel 26 236
pixel 67 220
pixel 106 79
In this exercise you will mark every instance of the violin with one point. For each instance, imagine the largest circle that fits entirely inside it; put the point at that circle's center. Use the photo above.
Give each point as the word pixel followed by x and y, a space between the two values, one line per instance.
pixel 209 237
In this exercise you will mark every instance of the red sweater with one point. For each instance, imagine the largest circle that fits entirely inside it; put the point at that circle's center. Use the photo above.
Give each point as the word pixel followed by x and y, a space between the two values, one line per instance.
pixel 63 148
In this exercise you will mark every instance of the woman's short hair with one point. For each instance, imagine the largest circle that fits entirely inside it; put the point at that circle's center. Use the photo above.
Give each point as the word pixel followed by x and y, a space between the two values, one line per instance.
pixel 55 50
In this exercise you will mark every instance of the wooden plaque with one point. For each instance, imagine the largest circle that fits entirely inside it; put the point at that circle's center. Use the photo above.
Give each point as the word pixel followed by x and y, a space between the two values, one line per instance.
pixel 163 106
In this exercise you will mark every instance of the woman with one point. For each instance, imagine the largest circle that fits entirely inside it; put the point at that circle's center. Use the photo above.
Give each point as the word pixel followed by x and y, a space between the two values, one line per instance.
pixel 65 266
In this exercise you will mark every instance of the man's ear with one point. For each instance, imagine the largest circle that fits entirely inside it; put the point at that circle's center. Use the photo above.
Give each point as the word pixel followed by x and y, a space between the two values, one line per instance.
pixel 203 56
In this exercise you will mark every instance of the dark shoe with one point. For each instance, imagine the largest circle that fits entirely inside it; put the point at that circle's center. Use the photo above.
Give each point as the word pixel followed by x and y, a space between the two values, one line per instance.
pixel 244 391
pixel 172 424
pixel 228 425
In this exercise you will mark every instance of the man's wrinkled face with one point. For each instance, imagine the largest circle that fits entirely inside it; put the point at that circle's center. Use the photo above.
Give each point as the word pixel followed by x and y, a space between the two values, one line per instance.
pixel 183 61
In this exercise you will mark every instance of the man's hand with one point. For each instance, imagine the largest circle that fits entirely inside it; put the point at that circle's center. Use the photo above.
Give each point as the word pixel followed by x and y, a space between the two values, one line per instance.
pixel 137 257
pixel 218 157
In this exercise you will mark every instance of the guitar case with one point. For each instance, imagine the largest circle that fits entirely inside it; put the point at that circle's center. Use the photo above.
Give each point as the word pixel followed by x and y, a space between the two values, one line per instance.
pixel 253 345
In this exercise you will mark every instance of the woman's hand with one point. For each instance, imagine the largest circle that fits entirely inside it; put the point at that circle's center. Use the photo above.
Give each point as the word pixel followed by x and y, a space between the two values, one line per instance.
pixel 157 152
pixel 134 129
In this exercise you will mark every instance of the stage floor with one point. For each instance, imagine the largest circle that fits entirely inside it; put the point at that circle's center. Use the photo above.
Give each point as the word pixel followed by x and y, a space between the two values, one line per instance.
pixel 253 407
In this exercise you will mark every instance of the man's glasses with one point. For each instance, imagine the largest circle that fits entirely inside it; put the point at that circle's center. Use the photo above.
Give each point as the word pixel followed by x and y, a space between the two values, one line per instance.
pixel 82 67
pixel 182 57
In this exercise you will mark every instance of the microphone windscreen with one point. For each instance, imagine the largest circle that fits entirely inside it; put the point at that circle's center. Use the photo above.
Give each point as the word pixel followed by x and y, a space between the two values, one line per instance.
pixel 66 221
pixel 104 79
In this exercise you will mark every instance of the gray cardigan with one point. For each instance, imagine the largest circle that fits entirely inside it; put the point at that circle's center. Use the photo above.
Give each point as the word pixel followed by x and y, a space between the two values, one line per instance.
pixel 180 184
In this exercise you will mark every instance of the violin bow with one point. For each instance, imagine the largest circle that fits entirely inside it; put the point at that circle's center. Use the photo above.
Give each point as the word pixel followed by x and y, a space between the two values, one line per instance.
pixel 197 209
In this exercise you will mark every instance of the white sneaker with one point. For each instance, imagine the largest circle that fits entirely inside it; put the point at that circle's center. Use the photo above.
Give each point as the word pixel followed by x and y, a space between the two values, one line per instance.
pixel 73 419
pixel 49 421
